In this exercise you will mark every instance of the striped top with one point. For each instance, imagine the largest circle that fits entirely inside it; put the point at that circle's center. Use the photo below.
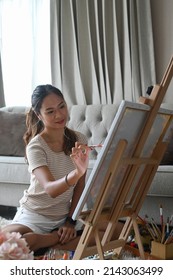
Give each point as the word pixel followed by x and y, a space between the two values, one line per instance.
pixel 35 198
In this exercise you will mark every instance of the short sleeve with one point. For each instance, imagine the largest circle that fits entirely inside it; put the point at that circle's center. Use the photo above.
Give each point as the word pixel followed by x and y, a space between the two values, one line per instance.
pixel 36 155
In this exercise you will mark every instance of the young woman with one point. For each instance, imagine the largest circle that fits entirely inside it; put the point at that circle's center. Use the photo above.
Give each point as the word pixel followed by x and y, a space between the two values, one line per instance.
pixel 57 161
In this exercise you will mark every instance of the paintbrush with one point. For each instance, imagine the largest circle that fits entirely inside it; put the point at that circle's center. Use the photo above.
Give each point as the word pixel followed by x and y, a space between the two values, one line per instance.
pixel 92 147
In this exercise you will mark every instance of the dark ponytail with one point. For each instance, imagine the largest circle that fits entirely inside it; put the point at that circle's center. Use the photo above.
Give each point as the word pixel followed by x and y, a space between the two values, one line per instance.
pixel 34 126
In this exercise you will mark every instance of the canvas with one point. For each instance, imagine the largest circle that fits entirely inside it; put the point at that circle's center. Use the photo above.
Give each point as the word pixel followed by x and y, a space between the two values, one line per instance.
pixel 128 124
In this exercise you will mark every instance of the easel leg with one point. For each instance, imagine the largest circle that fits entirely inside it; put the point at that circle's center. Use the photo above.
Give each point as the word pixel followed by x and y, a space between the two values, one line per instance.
pixel 138 239
pixel 83 242
pixel 124 234
pixel 99 246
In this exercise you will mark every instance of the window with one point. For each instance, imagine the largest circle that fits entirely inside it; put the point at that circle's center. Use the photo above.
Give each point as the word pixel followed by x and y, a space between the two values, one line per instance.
pixel 25 48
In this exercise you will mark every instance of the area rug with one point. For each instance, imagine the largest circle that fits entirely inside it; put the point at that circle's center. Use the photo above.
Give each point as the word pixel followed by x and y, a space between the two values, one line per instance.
pixel 4 222
pixel 54 254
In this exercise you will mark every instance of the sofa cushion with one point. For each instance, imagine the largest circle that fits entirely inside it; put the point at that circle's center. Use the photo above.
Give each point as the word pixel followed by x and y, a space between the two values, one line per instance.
pixel 168 156
pixel 94 121
pixel 14 170
pixel 12 129
pixel 162 182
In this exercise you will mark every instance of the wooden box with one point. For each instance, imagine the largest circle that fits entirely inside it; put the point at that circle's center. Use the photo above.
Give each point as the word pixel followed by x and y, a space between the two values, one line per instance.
pixel 162 251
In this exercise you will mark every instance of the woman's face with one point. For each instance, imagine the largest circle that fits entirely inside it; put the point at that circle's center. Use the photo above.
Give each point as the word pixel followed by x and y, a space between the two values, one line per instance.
pixel 53 112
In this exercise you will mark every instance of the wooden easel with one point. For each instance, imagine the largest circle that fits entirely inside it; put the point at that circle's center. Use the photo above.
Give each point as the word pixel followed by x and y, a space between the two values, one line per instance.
pixel 122 206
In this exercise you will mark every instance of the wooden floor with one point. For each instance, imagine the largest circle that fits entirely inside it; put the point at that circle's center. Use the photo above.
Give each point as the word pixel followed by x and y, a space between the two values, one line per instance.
pixel 135 251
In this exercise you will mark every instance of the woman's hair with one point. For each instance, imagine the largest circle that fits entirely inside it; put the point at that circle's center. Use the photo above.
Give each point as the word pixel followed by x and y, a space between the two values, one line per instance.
pixel 35 125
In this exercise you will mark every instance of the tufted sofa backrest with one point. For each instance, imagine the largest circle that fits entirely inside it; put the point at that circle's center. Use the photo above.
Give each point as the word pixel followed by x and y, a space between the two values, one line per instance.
pixel 92 120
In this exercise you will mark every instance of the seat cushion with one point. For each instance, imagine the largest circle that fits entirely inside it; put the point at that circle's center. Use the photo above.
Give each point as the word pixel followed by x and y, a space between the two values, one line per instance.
pixel 168 156
pixel 14 170
pixel 162 184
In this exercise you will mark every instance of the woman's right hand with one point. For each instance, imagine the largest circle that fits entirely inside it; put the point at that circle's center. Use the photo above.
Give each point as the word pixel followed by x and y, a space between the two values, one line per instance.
pixel 80 157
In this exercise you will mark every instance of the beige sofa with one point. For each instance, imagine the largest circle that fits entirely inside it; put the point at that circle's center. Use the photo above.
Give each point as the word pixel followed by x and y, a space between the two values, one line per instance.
pixel 92 120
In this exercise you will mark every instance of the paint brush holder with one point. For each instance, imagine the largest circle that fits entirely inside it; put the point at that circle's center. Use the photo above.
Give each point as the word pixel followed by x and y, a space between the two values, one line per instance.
pixel 162 251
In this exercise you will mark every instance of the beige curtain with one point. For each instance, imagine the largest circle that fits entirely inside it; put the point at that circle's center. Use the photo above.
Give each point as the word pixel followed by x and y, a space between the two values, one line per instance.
pixel 101 50
pixel 2 100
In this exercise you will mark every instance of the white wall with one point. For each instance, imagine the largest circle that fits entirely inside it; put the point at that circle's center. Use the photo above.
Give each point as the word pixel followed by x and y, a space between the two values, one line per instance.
pixel 162 18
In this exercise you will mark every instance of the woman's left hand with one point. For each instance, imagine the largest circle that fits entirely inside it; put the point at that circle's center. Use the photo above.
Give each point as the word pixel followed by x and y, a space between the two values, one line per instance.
pixel 66 233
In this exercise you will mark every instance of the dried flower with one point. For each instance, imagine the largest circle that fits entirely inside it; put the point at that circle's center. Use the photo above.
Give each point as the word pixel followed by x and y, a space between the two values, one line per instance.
pixel 14 247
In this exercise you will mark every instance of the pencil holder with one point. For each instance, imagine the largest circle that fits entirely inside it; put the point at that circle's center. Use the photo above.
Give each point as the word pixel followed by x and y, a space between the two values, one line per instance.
pixel 162 251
